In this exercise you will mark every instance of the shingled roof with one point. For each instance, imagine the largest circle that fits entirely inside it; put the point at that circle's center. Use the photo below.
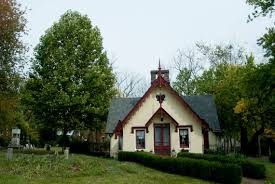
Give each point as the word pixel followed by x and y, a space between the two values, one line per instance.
pixel 204 106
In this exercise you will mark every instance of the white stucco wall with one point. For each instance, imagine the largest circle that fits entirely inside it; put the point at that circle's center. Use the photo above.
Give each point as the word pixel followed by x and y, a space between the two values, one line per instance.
pixel 213 140
pixel 113 146
pixel 171 105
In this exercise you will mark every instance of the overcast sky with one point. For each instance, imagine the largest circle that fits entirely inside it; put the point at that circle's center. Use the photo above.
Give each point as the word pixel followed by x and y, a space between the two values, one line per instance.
pixel 138 33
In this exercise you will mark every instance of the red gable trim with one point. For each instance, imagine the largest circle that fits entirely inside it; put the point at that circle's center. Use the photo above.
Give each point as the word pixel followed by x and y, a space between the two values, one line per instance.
pixel 165 112
pixel 136 107
pixel 194 114
pixel 186 126
pixel 139 127
pixel 159 82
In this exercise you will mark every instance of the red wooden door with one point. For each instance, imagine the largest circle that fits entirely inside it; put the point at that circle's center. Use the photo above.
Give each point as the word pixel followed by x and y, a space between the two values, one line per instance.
pixel 162 139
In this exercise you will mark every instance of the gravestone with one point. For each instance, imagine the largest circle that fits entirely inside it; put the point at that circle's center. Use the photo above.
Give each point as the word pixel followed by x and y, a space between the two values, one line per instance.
pixel 66 153
pixel 15 140
pixel 9 153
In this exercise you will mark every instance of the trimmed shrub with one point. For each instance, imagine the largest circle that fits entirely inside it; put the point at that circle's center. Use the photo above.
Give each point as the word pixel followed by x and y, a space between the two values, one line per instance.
pixel 252 169
pixel 272 157
pixel 203 169
pixel 249 168
pixel 87 148
pixel 79 147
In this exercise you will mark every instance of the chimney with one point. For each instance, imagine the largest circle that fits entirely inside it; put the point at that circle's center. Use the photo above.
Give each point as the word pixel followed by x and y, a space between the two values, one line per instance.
pixel 164 74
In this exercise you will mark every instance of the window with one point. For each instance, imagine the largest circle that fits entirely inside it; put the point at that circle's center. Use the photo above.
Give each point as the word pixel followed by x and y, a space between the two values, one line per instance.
pixel 140 139
pixel 184 138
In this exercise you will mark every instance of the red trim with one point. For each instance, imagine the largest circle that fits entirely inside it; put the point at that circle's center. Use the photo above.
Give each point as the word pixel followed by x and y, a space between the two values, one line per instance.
pixel 136 107
pixel 194 114
pixel 162 149
pixel 165 112
pixel 159 82
pixel 139 127
pixel 186 126
pixel 205 139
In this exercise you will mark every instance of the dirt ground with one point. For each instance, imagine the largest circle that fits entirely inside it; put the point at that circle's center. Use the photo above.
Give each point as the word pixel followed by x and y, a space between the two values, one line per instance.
pixel 251 181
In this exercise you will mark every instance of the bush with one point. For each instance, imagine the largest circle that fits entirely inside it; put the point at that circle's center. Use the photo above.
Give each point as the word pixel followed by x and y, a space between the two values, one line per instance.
pixel 252 169
pixel 272 157
pixel 95 149
pixel 249 168
pixel 79 147
pixel 214 171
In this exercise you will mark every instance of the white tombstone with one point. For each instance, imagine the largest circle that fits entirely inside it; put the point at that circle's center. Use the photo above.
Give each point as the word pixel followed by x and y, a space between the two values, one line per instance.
pixel 15 141
pixel 9 153
pixel 66 153
pixel 173 153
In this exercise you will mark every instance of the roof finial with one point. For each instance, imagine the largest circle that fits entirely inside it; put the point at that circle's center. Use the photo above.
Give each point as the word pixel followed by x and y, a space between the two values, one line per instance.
pixel 159 65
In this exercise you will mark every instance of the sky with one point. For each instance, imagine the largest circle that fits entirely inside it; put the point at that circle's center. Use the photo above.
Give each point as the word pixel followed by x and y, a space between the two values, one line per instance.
pixel 136 34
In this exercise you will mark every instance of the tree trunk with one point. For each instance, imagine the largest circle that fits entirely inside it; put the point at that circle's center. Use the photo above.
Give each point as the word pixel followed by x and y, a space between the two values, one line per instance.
pixel 234 142
pixel 231 146
pixel 64 139
pixel 244 140
pixel 254 141
pixel 259 146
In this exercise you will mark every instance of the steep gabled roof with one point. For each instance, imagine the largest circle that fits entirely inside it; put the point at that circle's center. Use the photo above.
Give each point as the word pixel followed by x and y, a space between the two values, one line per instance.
pixel 118 110
pixel 203 106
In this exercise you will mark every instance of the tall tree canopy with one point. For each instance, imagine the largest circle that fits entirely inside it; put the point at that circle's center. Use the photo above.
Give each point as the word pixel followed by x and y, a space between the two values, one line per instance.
pixel 264 77
pixel 243 91
pixel 12 50
pixel 72 81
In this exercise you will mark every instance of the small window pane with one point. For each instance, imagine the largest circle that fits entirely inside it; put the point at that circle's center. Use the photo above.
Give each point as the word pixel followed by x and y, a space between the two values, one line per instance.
pixel 157 136
pixel 184 138
pixel 166 139
pixel 140 139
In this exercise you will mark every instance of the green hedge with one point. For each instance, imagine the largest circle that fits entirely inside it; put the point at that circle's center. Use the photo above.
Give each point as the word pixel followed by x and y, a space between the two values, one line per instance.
pixel 214 171
pixel 272 157
pixel 249 168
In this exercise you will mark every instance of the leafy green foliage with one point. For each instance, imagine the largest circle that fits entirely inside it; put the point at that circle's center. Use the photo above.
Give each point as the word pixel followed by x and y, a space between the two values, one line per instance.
pixel 249 168
pixel 262 8
pixel 272 157
pixel 215 171
pixel 242 90
pixel 12 50
pixel 72 81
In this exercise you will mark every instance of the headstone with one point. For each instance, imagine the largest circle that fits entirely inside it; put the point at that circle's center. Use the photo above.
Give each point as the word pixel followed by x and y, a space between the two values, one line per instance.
pixel 66 153
pixel 15 141
pixel 173 154
pixel 48 147
pixel 9 153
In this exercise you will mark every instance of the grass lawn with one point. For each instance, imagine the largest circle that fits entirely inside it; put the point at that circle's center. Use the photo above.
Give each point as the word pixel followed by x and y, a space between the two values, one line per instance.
pixel 270 168
pixel 80 169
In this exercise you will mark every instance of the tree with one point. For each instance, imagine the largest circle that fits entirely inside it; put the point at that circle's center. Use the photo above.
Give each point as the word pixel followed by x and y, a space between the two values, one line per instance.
pixel 130 85
pixel 261 8
pixel 222 80
pixel 12 50
pixel 72 82
pixel 264 77
pixel 188 67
